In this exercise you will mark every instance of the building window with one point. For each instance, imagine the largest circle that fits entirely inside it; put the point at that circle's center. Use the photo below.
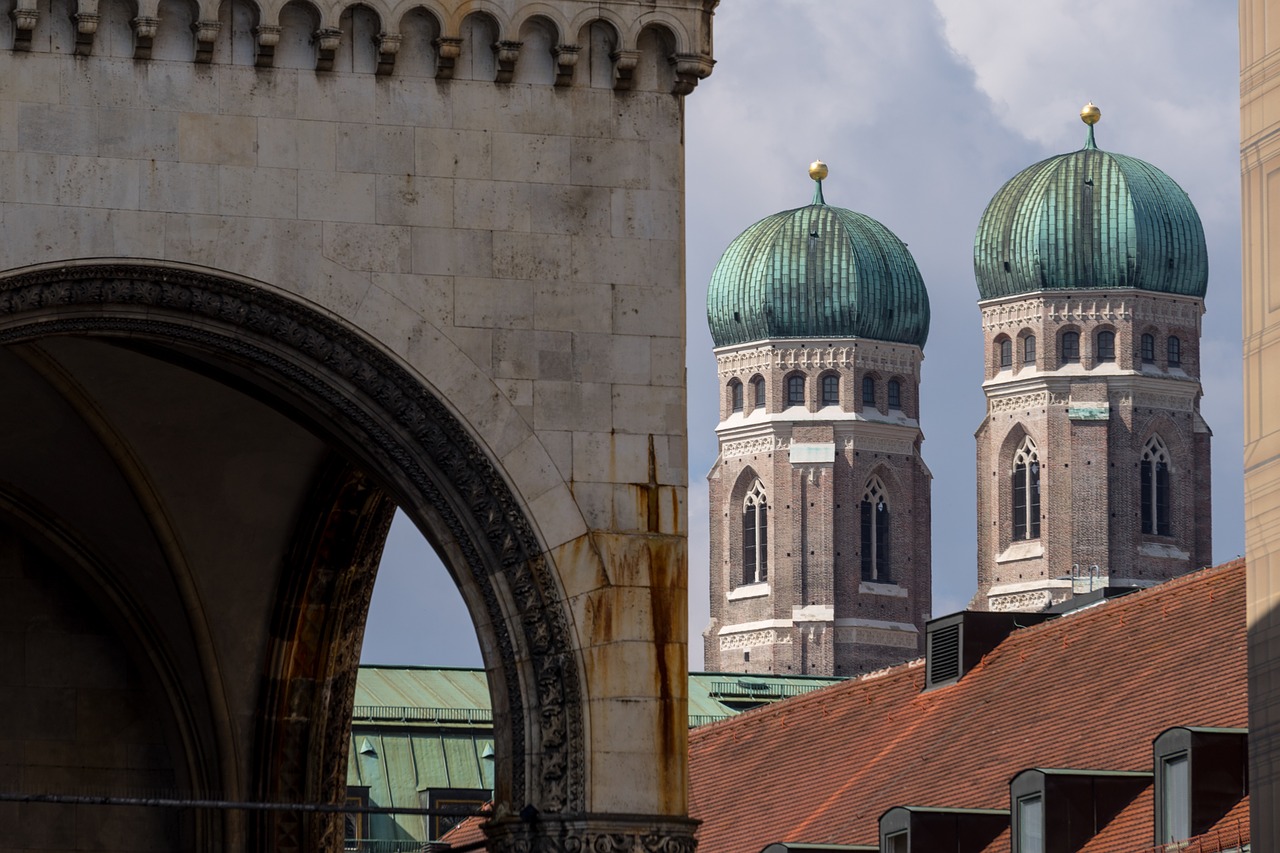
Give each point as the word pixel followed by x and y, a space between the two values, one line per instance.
pixel 1148 350
pixel 897 843
pixel 1070 347
pixel 1106 346
pixel 755 536
pixel 1006 353
pixel 868 391
pixel 895 394
pixel 795 390
pixel 735 395
pixel 1026 491
pixel 1029 351
pixel 875 533
pixel 1175 808
pixel 1155 477
pixel 1175 351
pixel 1030 823
pixel 831 390
pixel 757 392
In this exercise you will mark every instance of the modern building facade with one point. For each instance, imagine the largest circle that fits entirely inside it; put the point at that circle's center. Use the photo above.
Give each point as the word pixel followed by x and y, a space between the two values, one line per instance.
pixel 1093 458
pixel 819 498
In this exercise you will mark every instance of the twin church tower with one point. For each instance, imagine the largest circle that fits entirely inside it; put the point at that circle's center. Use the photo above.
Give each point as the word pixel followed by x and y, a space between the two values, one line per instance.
pixel 1093 460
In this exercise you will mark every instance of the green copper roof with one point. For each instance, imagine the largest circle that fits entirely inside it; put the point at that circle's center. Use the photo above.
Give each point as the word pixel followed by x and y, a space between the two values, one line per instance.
pixel 817 272
pixel 1090 219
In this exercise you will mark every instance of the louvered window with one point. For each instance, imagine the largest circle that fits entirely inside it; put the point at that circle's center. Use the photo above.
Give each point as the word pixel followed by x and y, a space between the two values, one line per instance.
pixel 942 657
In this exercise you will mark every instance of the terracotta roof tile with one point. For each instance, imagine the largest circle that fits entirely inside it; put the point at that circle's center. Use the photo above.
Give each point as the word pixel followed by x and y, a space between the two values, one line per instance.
pixel 1089 690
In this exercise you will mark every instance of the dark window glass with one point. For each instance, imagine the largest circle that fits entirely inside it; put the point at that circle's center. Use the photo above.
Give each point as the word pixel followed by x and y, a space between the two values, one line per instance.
pixel 1006 353
pixel 1106 346
pixel 874 518
pixel 755 536
pixel 1155 480
pixel 757 389
pixel 735 393
pixel 895 394
pixel 1070 347
pixel 1148 348
pixel 1029 350
pixel 1026 493
pixel 831 390
pixel 795 390
pixel 868 391
pixel 1175 351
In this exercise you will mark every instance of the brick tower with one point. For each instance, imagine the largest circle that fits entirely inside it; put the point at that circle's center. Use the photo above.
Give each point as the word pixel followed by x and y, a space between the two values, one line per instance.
pixel 819 499
pixel 1093 460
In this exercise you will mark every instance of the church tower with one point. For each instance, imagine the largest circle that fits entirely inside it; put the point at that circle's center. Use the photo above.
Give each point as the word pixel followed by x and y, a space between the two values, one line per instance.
pixel 1093 460
pixel 819 498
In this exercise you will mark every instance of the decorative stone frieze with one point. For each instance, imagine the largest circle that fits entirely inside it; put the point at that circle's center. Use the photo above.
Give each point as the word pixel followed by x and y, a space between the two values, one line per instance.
pixel 1018 402
pixel 752 639
pixel 506 53
pixel 1022 601
pixel 752 446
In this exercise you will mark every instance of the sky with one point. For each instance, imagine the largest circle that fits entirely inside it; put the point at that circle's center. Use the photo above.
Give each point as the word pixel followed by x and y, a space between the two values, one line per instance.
pixel 922 110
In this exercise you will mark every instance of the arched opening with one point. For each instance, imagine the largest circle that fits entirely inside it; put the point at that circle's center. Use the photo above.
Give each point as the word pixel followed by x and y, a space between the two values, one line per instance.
pixel 297 48
pixel 1026 491
pixel 476 60
pixel 235 44
pixel 755 535
pixel 174 39
pixel 358 50
pixel 417 56
pixel 537 62
pixel 220 449
pixel 874 532
pixel 1155 475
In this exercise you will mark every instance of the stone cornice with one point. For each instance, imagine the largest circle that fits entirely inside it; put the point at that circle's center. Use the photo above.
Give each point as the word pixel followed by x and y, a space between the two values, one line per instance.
pixel 1180 394
pixel 760 357
pixel 1085 306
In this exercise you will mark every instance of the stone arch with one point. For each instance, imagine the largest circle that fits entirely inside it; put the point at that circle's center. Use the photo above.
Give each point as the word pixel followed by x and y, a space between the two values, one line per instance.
pixel 1017 433
pixel 114 36
pixel 997 354
pixel 743 486
pixel 357 51
pixel 55 30
pixel 479 31
pixel 174 38
pixel 674 29
pixel 298 22
pixel 830 373
pixel 410 444
pixel 1062 338
pixel 757 392
pixel 655 71
pixel 235 43
pixel 419 29
pixel 6 23
pixel 1097 340
pixel 539 36
pixel 1020 348
pixel 600 39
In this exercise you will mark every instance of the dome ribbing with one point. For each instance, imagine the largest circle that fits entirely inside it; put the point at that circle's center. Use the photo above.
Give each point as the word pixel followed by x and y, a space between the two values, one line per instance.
pixel 817 272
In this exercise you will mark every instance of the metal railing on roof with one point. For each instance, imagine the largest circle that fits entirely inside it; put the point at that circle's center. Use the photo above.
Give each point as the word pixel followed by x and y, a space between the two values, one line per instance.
pixel 385 845
pixel 763 690
pixel 454 716
pixel 696 720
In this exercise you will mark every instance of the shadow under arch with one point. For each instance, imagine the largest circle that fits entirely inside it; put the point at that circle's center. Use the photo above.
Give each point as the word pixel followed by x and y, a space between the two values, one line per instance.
pixel 409 443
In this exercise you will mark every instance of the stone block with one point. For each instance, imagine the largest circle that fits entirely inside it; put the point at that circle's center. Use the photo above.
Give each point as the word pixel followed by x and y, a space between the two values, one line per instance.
pixel 611 358
pixel 285 143
pixel 429 296
pixel 246 91
pixel 80 181
pixel 572 405
pixel 35 78
pixel 336 196
pixel 572 307
pixel 531 256
pixel 271 193
pixel 138 134
pixel 450 153
pixel 179 187
pixel 373 248
pixel 610 457
pixel 450 251
pixel 610 163
pixel 336 97
pixel 577 210
pixel 179 87
pixel 647 215
pixel 652 311
pixel 104 83
pixel 646 409
pixel 490 205
pixel 592 112
pixel 413 200
pixel 375 149
pixel 531 158
pixel 666 363
pixel 556 516
pixel 414 103
pixel 531 468
pixel 57 129
pixel 219 139
pixel 493 303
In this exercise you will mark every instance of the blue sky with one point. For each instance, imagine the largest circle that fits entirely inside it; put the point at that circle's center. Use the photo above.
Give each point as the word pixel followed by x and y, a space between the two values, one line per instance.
pixel 922 110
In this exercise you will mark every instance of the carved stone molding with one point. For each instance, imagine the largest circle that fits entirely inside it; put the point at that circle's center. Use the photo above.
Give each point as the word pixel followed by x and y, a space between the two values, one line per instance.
pixel 857 441
pixel 886 358
pixel 447 52
pixel 1025 602
pixel 1122 307
pixel 206 37
pixel 591 834
pixel 751 639
pixel 624 68
pixel 566 59
pixel 144 33
pixel 388 49
pixel 876 637
pixel 1019 402
pixel 387 418
pixel 751 447
pixel 506 54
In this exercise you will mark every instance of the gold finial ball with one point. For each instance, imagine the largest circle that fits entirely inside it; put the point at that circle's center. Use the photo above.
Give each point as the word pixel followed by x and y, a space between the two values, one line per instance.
pixel 818 170
pixel 1090 114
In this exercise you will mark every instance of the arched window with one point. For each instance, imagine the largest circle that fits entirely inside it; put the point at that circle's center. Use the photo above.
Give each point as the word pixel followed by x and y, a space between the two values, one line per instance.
pixel 1155 488
pixel 875 533
pixel 1029 351
pixel 1175 351
pixel 868 391
pixel 757 392
pixel 1006 353
pixel 755 535
pixel 831 390
pixel 895 394
pixel 735 395
pixel 795 390
pixel 1070 347
pixel 1148 349
pixel 1106 349
pixel 1026 491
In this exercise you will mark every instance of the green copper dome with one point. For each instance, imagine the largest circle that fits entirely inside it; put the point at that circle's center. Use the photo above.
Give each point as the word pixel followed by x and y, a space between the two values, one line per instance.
pixel 1090 219
pixel 817 272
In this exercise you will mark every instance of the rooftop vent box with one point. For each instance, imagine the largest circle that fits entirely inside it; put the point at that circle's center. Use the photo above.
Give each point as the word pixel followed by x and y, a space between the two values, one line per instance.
pixel 954 644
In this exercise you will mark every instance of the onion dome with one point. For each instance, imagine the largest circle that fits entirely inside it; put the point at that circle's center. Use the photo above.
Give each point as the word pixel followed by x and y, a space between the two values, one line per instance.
pixel 817 272
pixel 1090 219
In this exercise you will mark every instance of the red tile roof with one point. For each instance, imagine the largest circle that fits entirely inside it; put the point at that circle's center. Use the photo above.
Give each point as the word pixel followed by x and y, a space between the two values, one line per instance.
pixel 1089 690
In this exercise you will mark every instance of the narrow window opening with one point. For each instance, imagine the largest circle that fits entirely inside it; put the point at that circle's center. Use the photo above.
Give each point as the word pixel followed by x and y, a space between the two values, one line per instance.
pixel 757 392
pixel 1156 479
pixel 831 390
pixel 795 390
pixel 1026 491
pixel 755 536
pixel 1029 351
pixel 1148 349
pixel 1006 353
pixel 1106 346
pixel 895 394
pixel 1070 347
pixel 735 395
pixel 1175 351
pixel 874 517
pixel 868 391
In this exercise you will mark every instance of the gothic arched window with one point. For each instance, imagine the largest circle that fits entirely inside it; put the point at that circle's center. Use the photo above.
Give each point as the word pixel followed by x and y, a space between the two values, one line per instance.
pixel 875 533
pixel 868 391
pixel 831 390
pixel 1070 347
pixel 755 535
pixel 1106 349
pixel 735 395
pixel 1148 350
pixel 1029 351
pixel 757 392
pixel 1006 353
pixel 895 394
pixel 1175 351
pixel 1026 491
pixel 795 390
pixel 1155 488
